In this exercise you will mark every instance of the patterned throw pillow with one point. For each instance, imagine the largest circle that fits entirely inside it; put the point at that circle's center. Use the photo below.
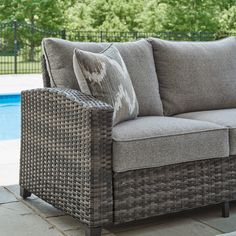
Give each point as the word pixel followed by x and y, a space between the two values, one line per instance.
pixel 104 75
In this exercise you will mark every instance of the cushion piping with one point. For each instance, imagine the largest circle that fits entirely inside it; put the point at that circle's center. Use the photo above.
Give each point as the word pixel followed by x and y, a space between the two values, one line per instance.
pixel 48 65
pixel 156 166
pixel 169 135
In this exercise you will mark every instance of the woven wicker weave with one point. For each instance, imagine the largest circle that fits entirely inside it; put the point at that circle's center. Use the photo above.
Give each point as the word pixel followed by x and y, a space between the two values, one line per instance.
pixel 66 159
pixel 150 192
pixel 66 152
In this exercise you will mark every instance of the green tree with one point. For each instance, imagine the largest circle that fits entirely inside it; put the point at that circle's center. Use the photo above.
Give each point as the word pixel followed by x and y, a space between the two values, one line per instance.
pixel 118 15
pixel 106 15
pixel 227 21
pixel 78 16
pixel 153 16
pixel 191 15
pixel 115 15
pixel 43 14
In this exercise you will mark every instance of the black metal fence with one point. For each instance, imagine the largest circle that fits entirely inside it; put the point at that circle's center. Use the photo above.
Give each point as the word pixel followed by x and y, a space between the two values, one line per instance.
pixel 20 43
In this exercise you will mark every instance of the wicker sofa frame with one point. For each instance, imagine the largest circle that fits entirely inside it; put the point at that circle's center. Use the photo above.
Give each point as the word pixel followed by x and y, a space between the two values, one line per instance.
pixel 66 159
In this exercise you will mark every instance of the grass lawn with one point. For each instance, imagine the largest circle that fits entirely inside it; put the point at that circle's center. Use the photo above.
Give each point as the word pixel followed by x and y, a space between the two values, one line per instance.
pixel 23 67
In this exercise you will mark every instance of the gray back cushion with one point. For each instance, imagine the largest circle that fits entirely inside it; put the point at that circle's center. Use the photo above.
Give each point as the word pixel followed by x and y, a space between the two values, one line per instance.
pixel 196 76
pixel 138 57
pixel 58 54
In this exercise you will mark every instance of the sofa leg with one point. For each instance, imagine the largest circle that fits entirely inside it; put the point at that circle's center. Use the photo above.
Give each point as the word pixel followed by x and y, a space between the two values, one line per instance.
pixel 92 231
pixel 225 209
pixel 24 193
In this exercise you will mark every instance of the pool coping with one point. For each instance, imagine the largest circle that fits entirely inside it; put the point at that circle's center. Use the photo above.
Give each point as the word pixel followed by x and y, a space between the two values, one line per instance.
pixel 13 99
pixel 10 94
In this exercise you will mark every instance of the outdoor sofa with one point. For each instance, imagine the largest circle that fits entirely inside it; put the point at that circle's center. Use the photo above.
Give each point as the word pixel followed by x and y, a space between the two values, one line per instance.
pixel 177 154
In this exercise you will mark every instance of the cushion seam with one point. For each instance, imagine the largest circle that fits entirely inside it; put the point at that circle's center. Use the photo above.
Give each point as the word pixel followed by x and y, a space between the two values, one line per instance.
pixel 156 166
pixel 213 122
pixel 166 136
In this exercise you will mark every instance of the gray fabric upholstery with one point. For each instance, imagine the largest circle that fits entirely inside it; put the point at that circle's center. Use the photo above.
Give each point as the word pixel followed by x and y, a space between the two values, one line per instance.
pixel 104 76
pixel 157 141
pixel 59 57
pixel 196 76
pixel 138 57
pixel 224 117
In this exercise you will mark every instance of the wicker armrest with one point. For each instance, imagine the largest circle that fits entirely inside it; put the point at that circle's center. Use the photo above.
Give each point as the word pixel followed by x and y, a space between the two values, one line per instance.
pixel 66 152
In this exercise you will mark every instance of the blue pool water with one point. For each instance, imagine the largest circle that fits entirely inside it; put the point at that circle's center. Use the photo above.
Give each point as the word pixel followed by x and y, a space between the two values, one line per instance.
pixel 9 116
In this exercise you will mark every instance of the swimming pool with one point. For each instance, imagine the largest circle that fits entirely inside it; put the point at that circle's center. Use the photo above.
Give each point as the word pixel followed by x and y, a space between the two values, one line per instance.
pixel 9 116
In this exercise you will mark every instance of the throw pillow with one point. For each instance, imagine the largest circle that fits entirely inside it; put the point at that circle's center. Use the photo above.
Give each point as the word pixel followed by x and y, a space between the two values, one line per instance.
pixel 104 75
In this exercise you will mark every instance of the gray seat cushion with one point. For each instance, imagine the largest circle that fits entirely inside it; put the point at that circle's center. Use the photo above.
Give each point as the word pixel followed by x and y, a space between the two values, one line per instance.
pixel 224 117
pixel 157 141
pixel 138 57
pixel 196 76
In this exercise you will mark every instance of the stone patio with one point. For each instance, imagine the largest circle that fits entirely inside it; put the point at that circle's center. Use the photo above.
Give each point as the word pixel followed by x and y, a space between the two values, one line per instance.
pixel 35 217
